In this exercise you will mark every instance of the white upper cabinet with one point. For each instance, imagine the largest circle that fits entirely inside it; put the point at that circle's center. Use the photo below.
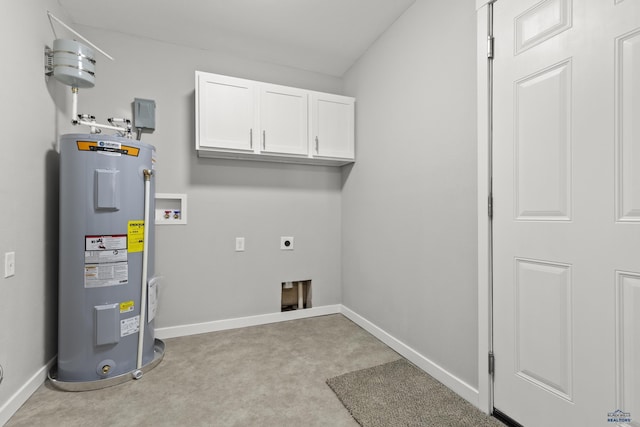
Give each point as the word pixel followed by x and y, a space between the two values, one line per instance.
pixel 284 119
pixel 332 125
pixel 245 119
pixel 226 113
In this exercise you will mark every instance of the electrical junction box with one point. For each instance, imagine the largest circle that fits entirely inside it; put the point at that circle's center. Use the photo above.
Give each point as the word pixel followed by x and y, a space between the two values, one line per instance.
pixel 144 113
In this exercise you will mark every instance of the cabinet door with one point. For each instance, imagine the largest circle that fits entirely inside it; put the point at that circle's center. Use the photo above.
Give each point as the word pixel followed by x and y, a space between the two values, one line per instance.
pixel 226 112
pixel 332 126
pixel 283 120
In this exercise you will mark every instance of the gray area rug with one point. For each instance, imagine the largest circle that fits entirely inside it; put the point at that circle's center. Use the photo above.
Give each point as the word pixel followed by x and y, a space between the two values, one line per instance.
pixel 400 394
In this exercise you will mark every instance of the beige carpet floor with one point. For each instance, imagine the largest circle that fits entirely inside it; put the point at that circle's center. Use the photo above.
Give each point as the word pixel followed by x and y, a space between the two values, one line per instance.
pixel 269 375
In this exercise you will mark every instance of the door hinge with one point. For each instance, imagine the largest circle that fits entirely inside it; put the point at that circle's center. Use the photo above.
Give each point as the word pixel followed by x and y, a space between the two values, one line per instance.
pixel 490 206
pixel 492 363
pixel 490 46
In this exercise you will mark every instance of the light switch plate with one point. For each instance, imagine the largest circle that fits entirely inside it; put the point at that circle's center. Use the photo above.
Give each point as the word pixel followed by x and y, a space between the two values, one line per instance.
pixel 239 244
pixel 9 264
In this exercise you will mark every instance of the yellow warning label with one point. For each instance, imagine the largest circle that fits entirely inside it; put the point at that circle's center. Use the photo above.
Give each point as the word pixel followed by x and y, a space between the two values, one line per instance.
pixel 130 151
pixel 87 145
pixel 126 306
pixel 135 236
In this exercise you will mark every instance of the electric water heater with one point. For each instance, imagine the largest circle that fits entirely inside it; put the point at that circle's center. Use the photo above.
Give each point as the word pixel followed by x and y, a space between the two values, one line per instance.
pixel 107 288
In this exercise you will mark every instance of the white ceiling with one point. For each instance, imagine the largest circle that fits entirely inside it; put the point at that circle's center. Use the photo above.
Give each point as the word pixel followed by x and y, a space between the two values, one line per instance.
pixel 325 36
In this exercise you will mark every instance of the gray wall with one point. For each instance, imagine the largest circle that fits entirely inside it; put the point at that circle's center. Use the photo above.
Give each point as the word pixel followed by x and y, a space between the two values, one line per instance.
pixel 204 278
pixel 409 203
pixel 30 121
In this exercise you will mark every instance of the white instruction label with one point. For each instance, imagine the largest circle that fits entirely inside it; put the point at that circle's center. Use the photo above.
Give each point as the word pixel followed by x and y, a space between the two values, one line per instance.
pixel 105 243
pixel 100 257
pixel 152 296
pixel 129 326
pixel 112 274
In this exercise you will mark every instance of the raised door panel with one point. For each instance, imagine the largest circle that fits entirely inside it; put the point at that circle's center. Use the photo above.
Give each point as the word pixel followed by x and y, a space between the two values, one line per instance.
pixel 542 22
pixel 628 127
pixel 332 121
pixel 627 348
pixel 543 145
pixel 284 120
pixel 543 320
pixel 226 113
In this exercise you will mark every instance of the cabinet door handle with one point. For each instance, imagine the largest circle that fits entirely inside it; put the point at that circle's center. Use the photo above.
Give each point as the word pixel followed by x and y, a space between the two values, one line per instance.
pixel 317 146
pixel 251 138
pixel 264 139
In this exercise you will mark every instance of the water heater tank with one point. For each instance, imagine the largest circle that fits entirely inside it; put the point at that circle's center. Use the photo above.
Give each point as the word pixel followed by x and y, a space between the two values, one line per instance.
pixel 102 201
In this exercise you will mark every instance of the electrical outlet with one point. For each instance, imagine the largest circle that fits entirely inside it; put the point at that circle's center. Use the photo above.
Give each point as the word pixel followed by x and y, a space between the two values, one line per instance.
pixel 239 244
pixel 9 264
pixel 286 243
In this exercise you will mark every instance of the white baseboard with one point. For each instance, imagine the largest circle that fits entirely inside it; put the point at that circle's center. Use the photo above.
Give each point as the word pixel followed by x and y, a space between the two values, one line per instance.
pixel 460 387
pixel 242 322
pixel 19 397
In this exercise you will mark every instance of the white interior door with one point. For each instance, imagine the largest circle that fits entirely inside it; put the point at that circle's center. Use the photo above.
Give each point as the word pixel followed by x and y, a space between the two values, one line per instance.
pixel 566 185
